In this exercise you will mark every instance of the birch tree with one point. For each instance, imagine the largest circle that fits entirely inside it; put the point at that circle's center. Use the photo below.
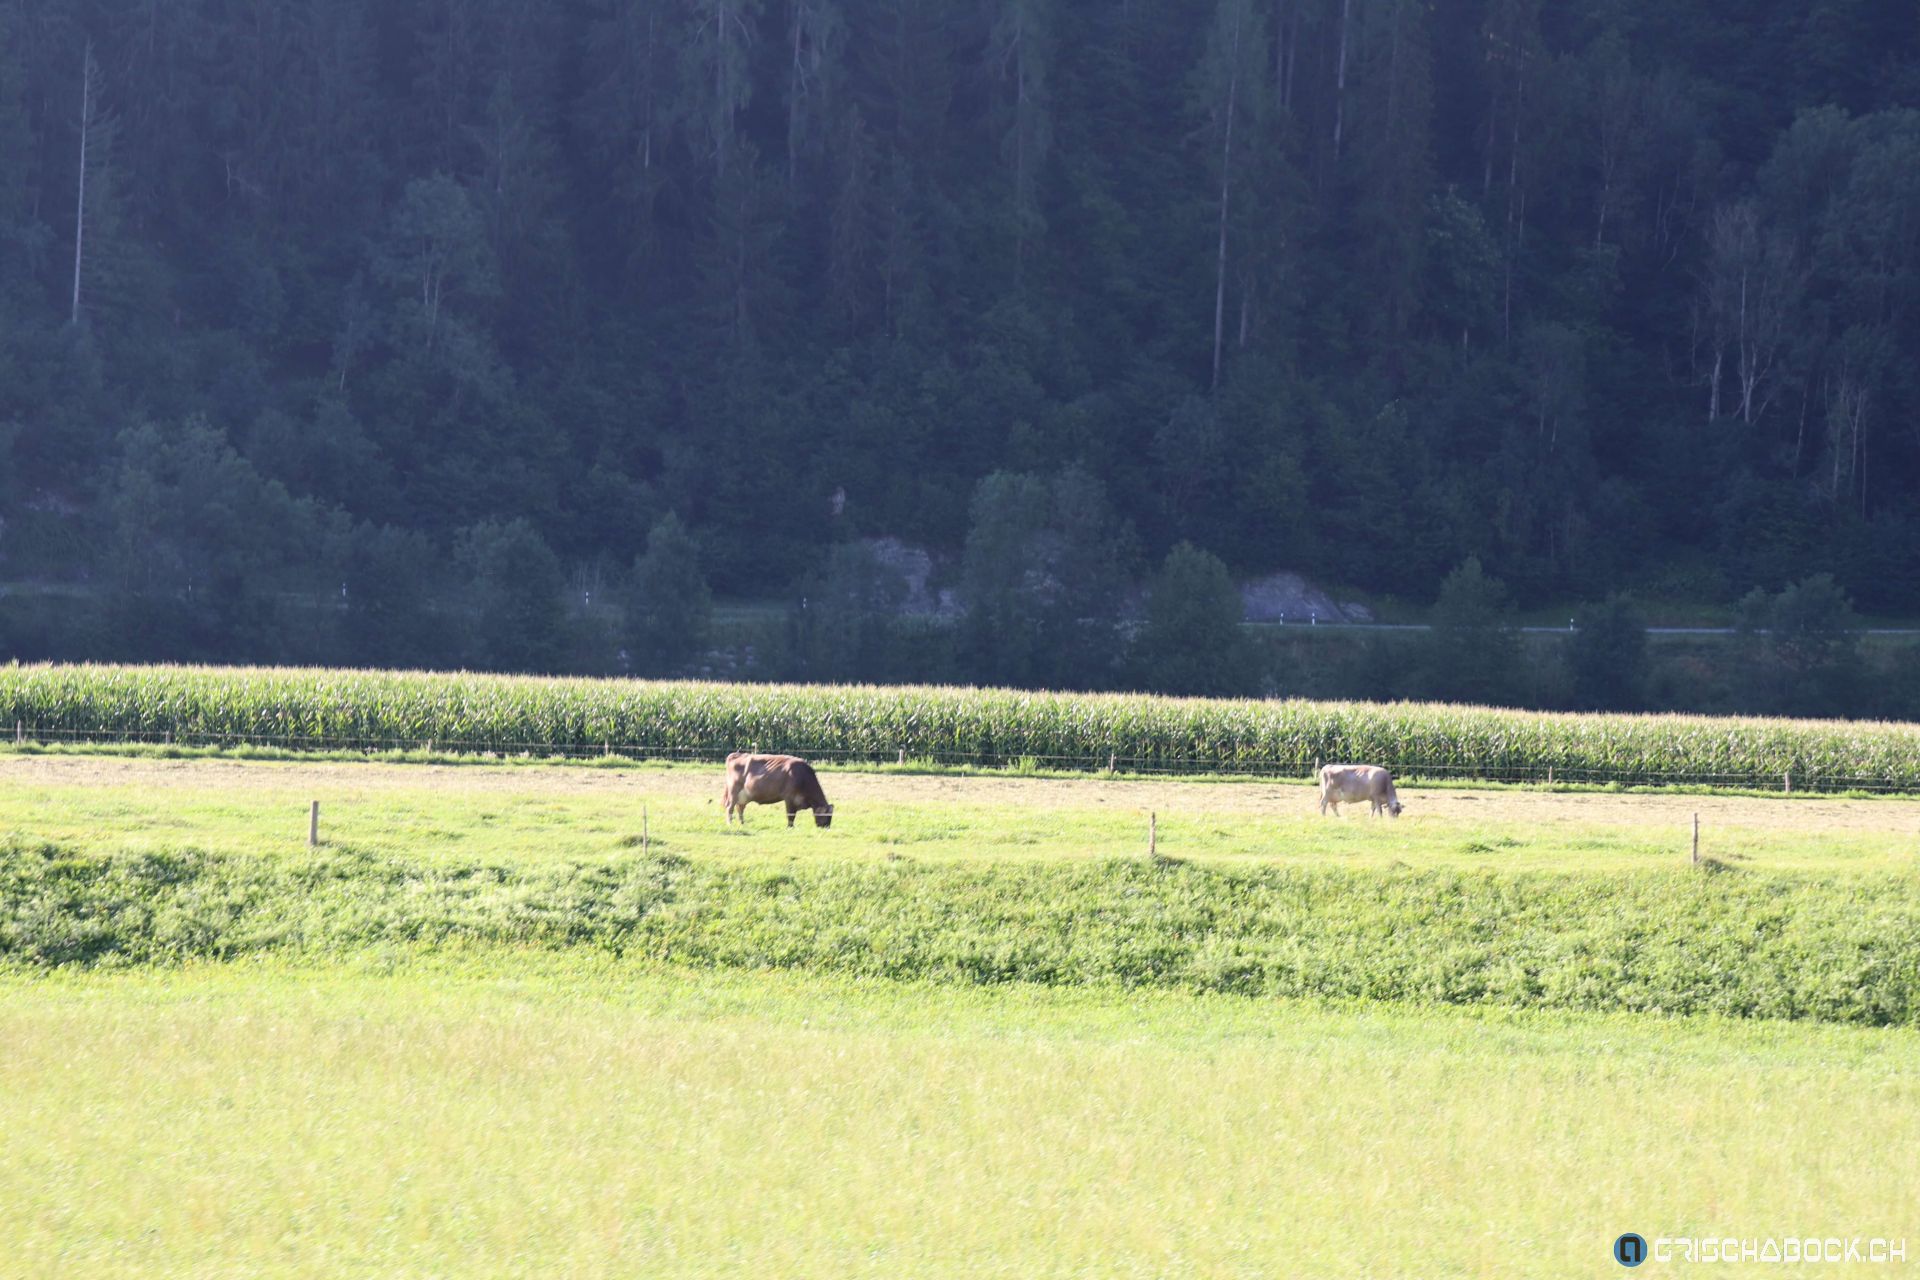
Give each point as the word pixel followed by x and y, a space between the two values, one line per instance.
pixel 1513 59
pixel 1229 95
pixel 816 36
pixel 92 117
pixel 435 257
pixel 627 125
pixel 1017 55
pixel 1751 293
pixel 716 80
pixel 1616 98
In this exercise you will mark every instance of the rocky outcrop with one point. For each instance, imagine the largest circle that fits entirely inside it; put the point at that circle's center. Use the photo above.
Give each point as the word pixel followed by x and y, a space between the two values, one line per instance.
pixel 1290 598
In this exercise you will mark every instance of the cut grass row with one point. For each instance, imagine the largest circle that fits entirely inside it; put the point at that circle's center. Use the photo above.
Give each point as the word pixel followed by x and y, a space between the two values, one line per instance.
pixel 325 709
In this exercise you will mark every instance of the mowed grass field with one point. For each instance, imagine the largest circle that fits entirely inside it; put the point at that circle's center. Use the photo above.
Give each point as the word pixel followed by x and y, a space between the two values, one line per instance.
pixel 482 1031
pixel 592 1120
pixel 532 812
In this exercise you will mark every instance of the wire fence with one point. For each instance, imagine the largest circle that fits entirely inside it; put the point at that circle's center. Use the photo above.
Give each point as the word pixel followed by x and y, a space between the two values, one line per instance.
pixel 1162 764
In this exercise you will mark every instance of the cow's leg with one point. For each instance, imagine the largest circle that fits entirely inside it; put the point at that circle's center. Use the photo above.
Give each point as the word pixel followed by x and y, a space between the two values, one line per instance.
pixel 792 809
pixel 1323 804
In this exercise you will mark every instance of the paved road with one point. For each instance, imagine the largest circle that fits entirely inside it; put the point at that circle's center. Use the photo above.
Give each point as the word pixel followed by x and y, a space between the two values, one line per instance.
pixel 1652 631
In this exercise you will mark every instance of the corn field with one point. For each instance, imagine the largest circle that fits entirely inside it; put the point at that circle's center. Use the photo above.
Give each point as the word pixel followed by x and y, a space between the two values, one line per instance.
pixel 312 709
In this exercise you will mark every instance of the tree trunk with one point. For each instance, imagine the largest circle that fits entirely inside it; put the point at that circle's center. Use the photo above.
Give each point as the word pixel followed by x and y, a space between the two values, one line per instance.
pixel 80 211
pixel 1226 186
pixel 794 92
pixel 1340 79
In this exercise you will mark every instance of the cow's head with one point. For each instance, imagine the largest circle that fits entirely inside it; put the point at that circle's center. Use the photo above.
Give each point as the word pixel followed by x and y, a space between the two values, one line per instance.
pixel 1393 807
pixel 823 816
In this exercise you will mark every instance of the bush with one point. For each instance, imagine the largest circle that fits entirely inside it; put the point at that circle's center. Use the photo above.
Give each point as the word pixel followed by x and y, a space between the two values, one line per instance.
pixel 1472 653
pixel 516 584
pixel 1801 645
pixel 669 608
pixel 1607 656
pixel 1679 942
pixel 1193 641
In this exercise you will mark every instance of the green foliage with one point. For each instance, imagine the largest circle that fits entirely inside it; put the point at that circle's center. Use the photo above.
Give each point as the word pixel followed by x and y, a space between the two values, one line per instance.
pixel 198 540
pixel 1810 623
pixel 1193 642
pixel 1349 289
pixel 516 584
pixel 387 592
pixel 1000 571
pixel 987 727
pixel 669 609
pixel 844 622
pixel 1607 655
pixel 1742 945
pixel 1041 579
pixel 1801 644
pixel 1472 651
pixel 435 259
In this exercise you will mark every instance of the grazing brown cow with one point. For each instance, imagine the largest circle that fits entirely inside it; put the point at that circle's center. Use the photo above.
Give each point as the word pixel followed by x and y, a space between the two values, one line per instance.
pixel 788 780
pixel 1351 783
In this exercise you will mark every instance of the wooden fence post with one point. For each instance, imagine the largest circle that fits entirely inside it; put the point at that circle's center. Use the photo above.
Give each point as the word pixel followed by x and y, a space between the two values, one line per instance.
pixel 1696 839
pixel 1786 782
pixel 1153 835
pixel 646 835
pixel 313 826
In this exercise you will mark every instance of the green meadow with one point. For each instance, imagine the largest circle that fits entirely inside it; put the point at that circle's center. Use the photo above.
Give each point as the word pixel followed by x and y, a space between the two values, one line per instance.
pixel 536 1116
pixel 513 1019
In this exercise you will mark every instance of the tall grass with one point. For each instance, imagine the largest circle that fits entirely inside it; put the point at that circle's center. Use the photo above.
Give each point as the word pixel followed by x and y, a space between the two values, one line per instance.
pixel 991 727
pixel 1742 944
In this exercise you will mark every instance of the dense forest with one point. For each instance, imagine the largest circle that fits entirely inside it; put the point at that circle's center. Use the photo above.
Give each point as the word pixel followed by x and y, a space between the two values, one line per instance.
pixel 508 330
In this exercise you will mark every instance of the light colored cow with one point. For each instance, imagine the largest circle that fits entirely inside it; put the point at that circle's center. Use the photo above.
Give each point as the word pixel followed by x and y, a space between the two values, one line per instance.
pixel 771 779
pixel 1351 783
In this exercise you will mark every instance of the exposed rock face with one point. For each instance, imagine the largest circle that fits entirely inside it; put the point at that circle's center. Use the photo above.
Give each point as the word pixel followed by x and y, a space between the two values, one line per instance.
pixel 1290 598
pixel 915 568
